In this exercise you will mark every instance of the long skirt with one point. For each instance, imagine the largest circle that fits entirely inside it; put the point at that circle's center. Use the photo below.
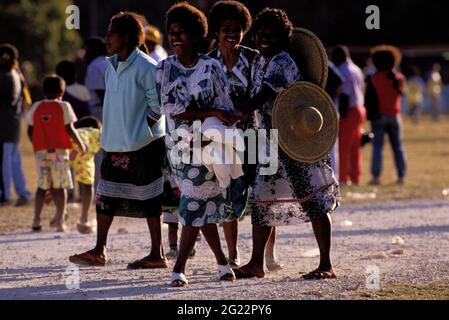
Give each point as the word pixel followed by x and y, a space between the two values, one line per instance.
pixel 131 183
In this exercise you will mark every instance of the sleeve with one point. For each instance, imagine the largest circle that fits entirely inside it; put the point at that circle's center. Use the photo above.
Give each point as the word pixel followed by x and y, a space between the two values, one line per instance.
pixel 69 114
pixel 221 88
pixel 281 72
pixel 95 77
pixel 148 82
pixel 30 114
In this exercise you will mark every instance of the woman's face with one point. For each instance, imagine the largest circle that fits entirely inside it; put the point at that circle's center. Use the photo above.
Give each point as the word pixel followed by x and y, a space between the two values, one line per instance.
pixel 230 34
pixel 114 41
pixel 180 40
pixel 268 41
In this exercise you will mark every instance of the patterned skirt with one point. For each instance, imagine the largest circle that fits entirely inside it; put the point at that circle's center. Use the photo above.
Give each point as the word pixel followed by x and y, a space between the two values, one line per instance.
pixel 297 193
pixel 131 183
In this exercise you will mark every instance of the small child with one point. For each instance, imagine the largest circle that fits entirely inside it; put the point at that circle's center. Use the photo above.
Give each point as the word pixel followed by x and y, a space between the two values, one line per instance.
pixel 50 127
pixel 88 129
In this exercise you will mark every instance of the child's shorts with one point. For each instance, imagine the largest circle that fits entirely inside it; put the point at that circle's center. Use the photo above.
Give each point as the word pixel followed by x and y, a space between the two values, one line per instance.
pixel 170 217
pixel 53 168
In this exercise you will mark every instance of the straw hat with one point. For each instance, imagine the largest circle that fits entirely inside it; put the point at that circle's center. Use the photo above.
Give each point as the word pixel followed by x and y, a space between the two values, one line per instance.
pixel 307 122
pixel 310 56
pixel 153 34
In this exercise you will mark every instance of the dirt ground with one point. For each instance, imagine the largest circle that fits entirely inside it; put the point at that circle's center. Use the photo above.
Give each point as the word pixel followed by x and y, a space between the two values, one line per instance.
pixel 404 243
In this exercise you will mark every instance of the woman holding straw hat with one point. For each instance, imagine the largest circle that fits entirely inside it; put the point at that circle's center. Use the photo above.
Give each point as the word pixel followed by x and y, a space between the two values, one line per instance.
pixel 299 191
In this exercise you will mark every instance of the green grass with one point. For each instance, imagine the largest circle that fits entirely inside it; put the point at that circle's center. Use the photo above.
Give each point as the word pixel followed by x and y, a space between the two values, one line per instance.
pixel 435 291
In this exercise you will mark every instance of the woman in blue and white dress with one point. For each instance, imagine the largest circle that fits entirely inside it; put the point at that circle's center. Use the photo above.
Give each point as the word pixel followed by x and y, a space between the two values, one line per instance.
pixel 192 86
pixel 297 192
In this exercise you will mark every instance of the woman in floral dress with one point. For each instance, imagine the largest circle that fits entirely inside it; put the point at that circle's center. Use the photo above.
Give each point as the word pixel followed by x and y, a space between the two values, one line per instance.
pixel 192 87
pixel 298 191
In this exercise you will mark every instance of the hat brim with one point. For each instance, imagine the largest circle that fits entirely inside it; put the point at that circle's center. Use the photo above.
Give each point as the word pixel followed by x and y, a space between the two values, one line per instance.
pixel 310 56
pixel 285 113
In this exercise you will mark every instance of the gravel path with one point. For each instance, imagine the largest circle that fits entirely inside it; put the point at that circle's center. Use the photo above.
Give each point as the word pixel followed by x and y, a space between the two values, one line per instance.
pixel 33 266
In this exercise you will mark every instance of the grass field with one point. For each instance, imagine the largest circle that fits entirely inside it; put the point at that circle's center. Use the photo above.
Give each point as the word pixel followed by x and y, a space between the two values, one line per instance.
pixel 426 145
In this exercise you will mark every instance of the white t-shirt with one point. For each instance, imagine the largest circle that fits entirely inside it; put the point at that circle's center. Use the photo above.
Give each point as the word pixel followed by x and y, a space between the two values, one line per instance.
pixel 78 91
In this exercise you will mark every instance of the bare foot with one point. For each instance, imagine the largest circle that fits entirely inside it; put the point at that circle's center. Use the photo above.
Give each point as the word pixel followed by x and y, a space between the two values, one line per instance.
pixel 249 271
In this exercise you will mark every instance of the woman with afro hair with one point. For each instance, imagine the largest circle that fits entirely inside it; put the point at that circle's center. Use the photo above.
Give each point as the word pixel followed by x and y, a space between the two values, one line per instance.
pixel 229 22
pixel 298 191
pixel 192 87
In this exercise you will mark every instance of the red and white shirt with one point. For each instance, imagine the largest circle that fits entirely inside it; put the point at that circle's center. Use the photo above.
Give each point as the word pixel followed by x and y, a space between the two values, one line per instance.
pixel 48 119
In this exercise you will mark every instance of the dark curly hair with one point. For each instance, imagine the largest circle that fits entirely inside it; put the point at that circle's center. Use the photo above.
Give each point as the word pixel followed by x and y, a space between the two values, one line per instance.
pixel 386 57
pixel 278 20
pixel 129 24
pixel 189 17
pixel 229 10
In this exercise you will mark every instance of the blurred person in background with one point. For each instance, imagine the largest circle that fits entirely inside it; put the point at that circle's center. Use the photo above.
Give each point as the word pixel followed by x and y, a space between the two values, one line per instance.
pixel 385 104
pixel 352 115
pixel 76 94
pixel 434 91
pixel 153 42
pixel 414 92
pixel 97 64
pixel 12 99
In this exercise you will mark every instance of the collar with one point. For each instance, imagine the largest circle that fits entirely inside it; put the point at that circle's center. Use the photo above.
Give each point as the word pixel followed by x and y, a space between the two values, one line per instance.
pixel 124 64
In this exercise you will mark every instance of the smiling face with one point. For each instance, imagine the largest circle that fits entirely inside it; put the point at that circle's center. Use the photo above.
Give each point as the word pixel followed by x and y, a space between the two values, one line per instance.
pixel 181 42
pixel 230 34
pixel 268 41
pixel 115 41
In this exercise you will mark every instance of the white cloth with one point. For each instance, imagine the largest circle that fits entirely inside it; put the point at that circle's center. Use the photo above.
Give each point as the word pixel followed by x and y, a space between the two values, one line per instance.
pixel 78 91
pixel 159 53
pixel 220 155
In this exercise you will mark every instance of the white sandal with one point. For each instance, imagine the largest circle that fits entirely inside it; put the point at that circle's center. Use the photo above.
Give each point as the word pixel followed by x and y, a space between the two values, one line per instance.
pixel 226 273
pixel 178 279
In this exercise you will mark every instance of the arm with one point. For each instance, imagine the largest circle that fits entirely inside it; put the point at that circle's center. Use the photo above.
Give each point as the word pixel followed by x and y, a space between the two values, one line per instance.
pixel 193 113
pixel 74 135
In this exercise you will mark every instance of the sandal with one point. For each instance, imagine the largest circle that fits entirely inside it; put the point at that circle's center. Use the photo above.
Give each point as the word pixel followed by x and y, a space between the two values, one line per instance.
pixel 88 259
pixel 234 263
pixel 226 273
pixel 147 264
pixel 319 275
pixel 178 280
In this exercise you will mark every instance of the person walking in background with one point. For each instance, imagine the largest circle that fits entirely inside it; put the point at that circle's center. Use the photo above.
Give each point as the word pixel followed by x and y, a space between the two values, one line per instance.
pixel 153 42
pixel 388 85
pixel 11 107
pixel 50 127
pixel 131 182
pixel 352 115
pixel 76 94
pixel 83 165
pixel 414 92
pixel 434 91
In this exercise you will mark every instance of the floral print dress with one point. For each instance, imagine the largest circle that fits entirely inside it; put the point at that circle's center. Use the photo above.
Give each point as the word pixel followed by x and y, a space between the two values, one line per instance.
pixel 202 199
pixel 298 192
pixel 240 84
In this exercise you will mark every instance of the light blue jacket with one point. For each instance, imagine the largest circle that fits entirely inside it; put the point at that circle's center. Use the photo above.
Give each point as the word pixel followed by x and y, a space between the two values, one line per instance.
pixel 130 97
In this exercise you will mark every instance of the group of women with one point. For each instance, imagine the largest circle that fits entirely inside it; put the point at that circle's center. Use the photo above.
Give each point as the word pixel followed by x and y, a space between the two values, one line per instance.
pixel 237 85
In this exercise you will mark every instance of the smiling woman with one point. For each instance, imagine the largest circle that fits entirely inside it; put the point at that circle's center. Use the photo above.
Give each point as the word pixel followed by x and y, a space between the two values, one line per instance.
pixel 193 86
